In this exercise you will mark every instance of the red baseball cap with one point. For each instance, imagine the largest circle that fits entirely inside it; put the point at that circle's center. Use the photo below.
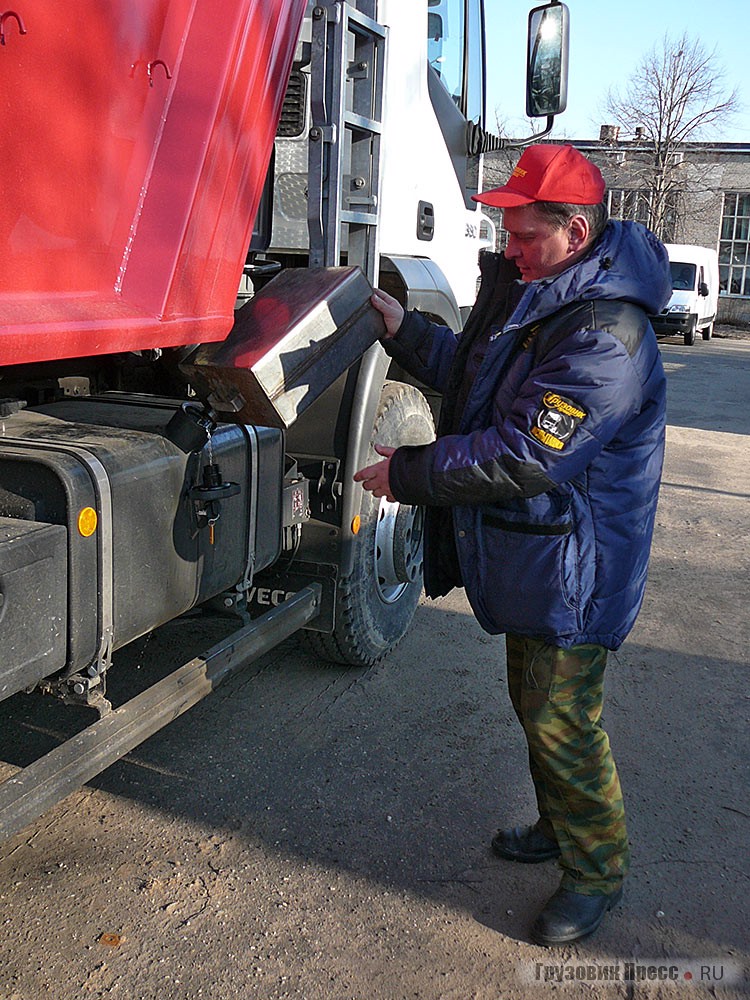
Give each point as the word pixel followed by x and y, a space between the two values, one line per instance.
pixel 548 173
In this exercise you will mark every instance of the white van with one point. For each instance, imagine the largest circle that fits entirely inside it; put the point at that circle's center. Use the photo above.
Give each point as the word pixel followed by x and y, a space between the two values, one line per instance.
pixel 695 293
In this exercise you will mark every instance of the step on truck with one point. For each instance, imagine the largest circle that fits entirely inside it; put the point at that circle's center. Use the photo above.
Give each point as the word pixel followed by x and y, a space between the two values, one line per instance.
pixel 198 198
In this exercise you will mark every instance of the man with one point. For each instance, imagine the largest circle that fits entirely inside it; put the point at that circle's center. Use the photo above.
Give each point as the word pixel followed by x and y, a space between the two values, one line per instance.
pixel 541 491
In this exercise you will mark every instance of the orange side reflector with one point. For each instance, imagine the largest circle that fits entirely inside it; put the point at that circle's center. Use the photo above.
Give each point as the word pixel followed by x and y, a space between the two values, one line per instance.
pixel 87 521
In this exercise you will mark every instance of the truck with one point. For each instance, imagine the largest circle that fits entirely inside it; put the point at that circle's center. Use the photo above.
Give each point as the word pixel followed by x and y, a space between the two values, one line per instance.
pixel 694 301
pixel 198 198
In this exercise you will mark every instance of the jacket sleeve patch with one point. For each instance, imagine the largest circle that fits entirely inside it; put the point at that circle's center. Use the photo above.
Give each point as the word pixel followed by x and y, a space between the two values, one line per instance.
pixel 556 420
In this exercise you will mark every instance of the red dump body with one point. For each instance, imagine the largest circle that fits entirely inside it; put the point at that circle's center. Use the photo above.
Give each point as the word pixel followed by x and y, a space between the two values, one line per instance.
pixel 136 137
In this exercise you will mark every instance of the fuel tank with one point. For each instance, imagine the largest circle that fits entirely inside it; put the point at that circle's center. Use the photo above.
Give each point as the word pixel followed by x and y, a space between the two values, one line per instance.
pixel 110 529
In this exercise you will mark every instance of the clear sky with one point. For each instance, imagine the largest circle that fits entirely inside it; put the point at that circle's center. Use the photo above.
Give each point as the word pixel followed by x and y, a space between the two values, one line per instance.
pixel 607 40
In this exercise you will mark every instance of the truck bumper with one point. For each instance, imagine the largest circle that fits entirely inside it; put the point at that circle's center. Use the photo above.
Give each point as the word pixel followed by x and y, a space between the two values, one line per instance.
pixel 671 323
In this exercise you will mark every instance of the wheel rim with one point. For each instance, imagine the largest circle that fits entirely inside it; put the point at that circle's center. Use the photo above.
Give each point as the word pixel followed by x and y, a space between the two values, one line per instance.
pixel 398 549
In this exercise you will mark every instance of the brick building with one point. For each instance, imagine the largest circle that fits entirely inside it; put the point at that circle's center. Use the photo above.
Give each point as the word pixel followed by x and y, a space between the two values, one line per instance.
pixel 710 206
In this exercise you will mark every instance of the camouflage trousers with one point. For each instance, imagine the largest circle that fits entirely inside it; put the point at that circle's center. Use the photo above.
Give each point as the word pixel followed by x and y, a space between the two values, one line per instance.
pixel 557 695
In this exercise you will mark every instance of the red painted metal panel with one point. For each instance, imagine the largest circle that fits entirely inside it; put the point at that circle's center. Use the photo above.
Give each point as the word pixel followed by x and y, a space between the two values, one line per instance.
pixel 131 167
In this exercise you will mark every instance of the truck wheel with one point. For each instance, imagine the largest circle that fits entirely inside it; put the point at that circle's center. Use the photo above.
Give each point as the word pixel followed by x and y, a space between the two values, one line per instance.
pixel 708 331
pixel 376 602
pixel 689 335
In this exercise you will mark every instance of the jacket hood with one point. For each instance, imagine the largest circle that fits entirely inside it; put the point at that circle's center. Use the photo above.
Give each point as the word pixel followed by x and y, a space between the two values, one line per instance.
pixel 627 263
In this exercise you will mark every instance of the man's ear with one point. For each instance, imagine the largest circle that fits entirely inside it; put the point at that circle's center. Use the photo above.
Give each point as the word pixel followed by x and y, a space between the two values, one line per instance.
pixel 579 232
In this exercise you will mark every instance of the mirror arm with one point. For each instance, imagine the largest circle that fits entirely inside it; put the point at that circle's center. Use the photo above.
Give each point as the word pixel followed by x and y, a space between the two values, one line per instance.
pixel 478 141
pixel 519 143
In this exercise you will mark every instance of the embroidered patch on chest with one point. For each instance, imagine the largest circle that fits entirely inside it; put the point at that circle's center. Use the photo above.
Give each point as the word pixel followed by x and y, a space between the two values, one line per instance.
pixel 556 420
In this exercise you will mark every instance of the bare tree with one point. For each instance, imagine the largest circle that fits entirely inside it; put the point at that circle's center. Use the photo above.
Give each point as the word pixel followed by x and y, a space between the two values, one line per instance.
pixel 675 94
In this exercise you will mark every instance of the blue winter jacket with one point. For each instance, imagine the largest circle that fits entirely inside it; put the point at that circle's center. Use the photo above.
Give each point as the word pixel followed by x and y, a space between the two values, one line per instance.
pixel 551 470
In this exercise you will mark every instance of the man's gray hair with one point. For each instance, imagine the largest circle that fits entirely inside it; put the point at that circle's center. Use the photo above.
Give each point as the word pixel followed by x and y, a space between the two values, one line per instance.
pixel 560 215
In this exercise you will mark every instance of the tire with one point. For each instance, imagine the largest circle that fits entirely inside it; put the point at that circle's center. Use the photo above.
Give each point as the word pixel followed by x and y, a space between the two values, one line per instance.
pixel 689 336
pixel 375 603
pixel 708 331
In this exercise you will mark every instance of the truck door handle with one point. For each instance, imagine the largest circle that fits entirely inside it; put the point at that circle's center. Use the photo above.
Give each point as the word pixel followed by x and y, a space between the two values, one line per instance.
pixel 425 220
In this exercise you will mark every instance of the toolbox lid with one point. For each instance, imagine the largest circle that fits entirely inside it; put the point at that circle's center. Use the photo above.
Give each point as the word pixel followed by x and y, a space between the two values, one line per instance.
pixel 289 343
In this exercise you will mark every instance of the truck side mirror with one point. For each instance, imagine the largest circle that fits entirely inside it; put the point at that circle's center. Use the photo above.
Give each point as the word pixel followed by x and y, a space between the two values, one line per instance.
pixel 703 288
pixel 547 62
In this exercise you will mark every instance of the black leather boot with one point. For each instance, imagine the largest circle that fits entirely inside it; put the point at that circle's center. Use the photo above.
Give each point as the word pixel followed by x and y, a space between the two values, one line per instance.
pixel 571 915
pixel 526 844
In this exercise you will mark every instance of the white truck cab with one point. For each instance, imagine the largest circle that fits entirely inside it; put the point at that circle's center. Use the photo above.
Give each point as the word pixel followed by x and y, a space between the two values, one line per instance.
pixel 695 293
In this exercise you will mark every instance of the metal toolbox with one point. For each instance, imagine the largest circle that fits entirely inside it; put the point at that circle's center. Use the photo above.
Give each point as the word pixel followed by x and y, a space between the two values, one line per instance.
pixel 288 344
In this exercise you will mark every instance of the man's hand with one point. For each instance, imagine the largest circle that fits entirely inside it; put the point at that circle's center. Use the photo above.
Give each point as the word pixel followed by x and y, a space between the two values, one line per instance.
pixel 374 478
pixel 392 311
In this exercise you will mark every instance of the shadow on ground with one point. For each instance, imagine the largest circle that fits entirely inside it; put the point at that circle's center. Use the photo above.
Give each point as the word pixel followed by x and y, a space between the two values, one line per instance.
pixel 399 774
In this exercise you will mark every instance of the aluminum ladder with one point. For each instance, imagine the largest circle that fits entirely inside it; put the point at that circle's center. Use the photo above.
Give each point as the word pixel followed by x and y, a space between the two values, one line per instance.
pixel 348 55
